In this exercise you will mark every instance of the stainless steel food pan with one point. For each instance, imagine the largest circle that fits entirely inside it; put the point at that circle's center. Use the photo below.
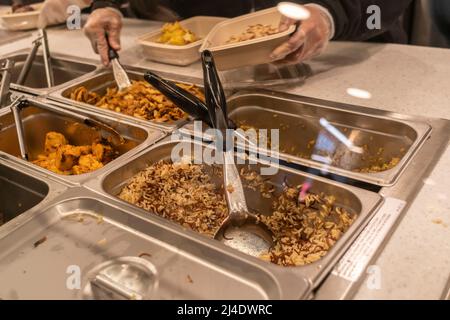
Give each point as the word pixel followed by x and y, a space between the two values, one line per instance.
pixel 65 69
pixel 305 138
pixel 103 79
pixel 80 231
pixel 22 192
pixel 361 202
pixel 37 122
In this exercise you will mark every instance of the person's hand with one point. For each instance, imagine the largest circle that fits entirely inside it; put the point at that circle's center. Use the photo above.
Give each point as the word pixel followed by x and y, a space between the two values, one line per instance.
pixel 55 11
pixel 309 40
pixel 104 21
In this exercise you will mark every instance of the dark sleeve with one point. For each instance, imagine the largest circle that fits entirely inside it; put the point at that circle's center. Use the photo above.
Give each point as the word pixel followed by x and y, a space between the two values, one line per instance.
pixel 350 16
pixel 97 4
pixel 440 10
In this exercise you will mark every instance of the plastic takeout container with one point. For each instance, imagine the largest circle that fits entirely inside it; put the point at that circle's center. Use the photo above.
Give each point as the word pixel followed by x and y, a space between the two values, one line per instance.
pixel 179 55
pixel 245 53
pixel 20 21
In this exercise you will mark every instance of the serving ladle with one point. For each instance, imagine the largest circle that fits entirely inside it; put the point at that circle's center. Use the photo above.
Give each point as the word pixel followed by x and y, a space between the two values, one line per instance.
pixel 241 229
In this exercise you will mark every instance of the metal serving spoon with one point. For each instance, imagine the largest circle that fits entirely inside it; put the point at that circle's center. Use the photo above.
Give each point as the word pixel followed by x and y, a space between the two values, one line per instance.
pixel 241 229
pixel 120 75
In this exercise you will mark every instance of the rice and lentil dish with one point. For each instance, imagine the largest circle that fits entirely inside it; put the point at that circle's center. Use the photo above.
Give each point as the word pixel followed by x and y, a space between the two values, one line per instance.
pixel 303 230
pixel 140 100
pixel 254 32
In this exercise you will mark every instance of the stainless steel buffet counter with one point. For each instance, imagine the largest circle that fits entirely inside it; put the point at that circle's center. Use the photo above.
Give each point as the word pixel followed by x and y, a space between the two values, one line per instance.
pixel 86 225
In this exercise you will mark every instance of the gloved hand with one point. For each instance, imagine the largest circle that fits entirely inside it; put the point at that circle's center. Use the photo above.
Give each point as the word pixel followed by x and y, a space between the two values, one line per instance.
pixel 310 39
pixel 55 11
pixel 101 21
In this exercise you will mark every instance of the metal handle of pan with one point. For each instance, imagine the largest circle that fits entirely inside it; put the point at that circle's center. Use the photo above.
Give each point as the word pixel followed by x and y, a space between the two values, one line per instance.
pixel 6 81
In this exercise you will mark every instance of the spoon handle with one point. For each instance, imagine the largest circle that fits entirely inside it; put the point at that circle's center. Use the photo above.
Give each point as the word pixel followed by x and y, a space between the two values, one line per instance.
pixel 234 191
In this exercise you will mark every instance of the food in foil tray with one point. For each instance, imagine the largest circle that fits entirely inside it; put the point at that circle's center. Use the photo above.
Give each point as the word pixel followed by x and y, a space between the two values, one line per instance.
pixel 63 158
pixel 140 100
pixel 253 32
pixel 304 230
pixel 175 34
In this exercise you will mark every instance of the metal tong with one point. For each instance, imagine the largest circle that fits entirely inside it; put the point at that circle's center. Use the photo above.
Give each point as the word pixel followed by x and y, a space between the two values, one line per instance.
pixel 40 40
pixel 247 233
pixel 107 132
pixel 217 108
pixel 189 103
pixel 6 81
pixel 213 113
pixel 182 98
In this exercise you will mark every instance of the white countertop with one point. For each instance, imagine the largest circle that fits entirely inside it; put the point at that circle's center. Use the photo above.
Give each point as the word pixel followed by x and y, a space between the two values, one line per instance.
pixel 415 263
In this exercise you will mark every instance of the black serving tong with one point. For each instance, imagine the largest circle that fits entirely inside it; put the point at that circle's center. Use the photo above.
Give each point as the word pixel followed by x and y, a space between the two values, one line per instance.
pixel 189 103
pixel 214 94
pixel 182 98
pixel 249 235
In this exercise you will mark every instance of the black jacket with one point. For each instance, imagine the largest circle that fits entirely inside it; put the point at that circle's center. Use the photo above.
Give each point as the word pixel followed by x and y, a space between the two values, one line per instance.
pixel 350 16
